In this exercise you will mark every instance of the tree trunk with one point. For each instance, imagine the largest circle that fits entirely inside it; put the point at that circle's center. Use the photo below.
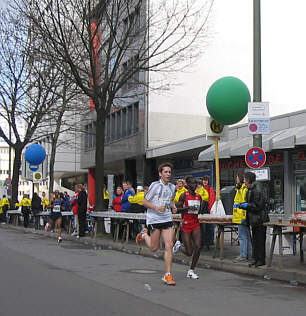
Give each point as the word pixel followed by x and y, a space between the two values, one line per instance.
pixel 16 169
pixel 51 166
pixel 99 172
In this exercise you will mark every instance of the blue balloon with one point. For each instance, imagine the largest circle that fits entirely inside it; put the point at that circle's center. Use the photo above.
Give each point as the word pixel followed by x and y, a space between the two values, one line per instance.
pixel 35 154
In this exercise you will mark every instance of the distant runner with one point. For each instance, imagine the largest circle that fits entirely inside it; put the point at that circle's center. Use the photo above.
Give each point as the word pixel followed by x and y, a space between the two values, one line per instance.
pixel 159 201
pixel 56 215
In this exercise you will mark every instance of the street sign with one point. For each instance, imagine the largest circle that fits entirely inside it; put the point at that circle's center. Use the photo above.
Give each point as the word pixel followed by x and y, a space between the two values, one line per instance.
pixel 214 128
pixel 262 174
pixel 255 157
pixel 258 118
pixel 37 177
pixel 33 167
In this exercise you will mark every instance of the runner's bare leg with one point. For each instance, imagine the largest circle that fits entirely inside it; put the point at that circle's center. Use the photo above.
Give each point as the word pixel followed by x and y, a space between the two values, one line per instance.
pixel 153 240
pixel 168 236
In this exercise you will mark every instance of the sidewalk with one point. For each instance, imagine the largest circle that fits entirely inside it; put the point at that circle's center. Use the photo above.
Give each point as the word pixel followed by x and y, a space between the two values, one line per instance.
pixel 293 271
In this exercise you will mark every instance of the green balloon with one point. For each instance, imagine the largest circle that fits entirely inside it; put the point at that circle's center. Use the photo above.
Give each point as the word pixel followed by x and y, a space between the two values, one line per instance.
pixel 227 100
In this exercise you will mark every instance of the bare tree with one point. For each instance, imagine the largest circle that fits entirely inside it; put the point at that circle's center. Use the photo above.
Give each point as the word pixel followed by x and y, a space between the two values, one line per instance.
pixel 65 122
pixel 25 99
pixel 111 44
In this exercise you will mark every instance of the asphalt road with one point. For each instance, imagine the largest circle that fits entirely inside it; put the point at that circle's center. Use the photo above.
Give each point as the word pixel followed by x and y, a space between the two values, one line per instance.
pixel 41 277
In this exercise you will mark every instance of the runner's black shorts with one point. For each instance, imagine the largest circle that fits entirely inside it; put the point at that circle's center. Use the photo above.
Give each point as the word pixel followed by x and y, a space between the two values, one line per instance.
pixel 160 226
pixel 56 215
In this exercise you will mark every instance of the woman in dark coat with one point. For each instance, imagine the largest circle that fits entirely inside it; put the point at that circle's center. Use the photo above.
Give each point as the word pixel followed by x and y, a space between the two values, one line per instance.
pixel 82 210
pixel 36 208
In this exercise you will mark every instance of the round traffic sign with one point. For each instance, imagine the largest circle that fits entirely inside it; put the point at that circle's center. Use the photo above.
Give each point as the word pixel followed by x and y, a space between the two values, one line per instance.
pixel 255 157
pixel 33 167
pixel 253 127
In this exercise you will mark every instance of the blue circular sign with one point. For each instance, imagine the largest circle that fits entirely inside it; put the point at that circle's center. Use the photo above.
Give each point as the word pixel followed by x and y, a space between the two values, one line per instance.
pixel 35 154
pixel 33 167
pixel 255 157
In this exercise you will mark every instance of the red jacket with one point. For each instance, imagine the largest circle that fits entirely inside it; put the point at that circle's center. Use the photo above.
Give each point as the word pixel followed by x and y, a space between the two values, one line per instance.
pixel 212 196
pixel 117 202
pixel 74 203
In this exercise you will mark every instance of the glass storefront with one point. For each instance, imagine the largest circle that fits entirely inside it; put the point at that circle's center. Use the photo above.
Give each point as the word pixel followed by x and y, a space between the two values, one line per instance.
pixel 299 159
pixel 70 182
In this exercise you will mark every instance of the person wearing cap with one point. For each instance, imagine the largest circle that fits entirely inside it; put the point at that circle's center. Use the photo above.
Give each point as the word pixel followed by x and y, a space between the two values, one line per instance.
pixel 137 207
pixel 136 201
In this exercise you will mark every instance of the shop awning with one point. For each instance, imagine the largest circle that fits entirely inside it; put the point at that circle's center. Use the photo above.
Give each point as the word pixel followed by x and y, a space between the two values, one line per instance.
pixel 300 138
pixel 209 153
pixel 288 138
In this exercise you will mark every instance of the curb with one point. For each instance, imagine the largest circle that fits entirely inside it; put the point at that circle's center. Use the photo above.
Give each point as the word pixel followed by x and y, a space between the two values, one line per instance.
pixel 293 276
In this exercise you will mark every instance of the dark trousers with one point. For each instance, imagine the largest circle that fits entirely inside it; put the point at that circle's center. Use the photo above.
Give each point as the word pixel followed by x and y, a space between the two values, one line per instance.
pixel 26 216
pixel 36 221
pixel 259 243
pixel 82 223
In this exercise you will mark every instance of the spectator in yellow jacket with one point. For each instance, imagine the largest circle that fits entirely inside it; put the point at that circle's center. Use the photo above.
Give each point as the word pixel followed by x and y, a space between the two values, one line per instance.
pixel 106 198
pixel 136 201
pixel 1 213
pixel 239 217
pixel 137 207
pixel 180 188
pixel 45 201
pixel 202 192
pixel 4 207
pixel 25 204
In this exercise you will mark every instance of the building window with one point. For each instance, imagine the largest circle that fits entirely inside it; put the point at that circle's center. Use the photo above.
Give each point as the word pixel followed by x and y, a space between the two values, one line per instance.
pixel 136 117
pixel 86 140
pixel 131 68
pixel 113 126
pixel 118 119
pixel 122 123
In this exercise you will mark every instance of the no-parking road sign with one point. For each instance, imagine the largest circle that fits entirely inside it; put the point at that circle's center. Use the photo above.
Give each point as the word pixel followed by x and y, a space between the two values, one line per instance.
pixel 255 157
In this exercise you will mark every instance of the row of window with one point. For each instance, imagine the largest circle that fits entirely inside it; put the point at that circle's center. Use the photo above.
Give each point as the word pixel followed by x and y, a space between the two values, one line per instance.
pixel 4 172
pixel 4 150
pixel 118 125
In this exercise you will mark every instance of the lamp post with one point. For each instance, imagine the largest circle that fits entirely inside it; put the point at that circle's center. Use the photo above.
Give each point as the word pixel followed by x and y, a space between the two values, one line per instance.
pixel 257 139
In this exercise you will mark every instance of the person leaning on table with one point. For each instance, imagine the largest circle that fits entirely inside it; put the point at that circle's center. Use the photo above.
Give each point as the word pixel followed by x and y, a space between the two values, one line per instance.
pixel 254 206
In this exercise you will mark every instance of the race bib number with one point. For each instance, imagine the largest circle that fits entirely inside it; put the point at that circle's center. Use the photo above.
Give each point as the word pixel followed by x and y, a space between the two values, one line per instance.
pixel 195 204
pixel 166 203
pixel 56 208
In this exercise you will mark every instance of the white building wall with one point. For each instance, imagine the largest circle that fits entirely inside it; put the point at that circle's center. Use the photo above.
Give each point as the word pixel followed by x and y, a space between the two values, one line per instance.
pixel 165 128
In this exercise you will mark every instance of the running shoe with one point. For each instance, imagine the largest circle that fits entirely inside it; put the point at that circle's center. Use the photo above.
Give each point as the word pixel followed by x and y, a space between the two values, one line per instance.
pixel 139 237
pixel 192 275
pixel 168 279
pixel 59 239
pixel 176 247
